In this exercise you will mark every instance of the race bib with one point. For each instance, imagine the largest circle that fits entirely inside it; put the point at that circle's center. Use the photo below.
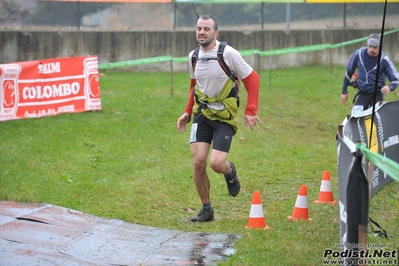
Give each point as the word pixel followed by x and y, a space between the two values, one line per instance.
pixel 193 134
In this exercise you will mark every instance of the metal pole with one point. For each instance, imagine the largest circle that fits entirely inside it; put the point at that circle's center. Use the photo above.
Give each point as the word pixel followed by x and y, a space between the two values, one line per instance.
pixel 331 63
pixel 78 15
pixel 288 16
pixel 174 15
pixel 171 77
pixel 261 14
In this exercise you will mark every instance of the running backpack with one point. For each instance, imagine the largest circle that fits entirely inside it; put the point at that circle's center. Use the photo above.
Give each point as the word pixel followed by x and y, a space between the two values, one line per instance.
pixel 223 65
pixel 220 59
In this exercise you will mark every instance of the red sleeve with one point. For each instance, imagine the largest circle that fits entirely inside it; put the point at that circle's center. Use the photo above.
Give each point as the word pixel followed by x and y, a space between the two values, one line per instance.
pixel 251 84
pixel 190 102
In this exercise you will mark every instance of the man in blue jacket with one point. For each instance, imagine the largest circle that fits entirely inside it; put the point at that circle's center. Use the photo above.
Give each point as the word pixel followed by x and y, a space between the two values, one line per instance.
pixel 365 61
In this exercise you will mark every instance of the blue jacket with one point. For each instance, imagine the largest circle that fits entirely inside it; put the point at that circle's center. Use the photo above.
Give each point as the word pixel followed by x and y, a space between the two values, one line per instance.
pixel 367 69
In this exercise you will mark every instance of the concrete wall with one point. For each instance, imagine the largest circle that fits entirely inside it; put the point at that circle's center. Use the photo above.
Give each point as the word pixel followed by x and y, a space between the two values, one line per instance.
pixel 16 46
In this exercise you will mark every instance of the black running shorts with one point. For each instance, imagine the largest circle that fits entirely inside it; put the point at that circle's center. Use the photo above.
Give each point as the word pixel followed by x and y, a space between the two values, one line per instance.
pixel 205 130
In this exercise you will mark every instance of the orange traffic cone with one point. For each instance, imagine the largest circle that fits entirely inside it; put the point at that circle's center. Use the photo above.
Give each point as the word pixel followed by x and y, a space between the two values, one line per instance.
pixel 326 194
pixel 301 206
pixel 256 217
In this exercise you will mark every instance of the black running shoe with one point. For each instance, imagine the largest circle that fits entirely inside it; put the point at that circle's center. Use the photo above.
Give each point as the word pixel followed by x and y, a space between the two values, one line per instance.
pixel 233 184
pixel 203 216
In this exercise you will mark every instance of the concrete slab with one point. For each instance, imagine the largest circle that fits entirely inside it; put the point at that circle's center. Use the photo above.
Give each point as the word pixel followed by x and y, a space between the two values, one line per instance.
pixel 43 234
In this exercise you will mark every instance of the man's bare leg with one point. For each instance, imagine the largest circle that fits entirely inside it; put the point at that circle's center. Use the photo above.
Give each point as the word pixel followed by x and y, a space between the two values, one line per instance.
pixel 200 152
pixel 219 164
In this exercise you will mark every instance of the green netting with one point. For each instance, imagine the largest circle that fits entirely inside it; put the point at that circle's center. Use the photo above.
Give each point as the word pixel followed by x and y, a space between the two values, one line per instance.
pixel 359 40
pixel 137 62
pixel 388 166
pixel 300 49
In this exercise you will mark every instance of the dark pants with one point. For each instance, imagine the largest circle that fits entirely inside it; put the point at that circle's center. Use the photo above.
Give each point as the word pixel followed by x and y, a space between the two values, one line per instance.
pixel 367 99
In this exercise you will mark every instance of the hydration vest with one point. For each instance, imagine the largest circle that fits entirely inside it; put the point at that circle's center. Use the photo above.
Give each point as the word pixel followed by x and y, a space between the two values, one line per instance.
pixel 220 59
pixel 223 65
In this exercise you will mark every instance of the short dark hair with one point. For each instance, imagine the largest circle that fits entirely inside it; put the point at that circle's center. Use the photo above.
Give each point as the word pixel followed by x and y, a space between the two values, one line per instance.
pixel 215 21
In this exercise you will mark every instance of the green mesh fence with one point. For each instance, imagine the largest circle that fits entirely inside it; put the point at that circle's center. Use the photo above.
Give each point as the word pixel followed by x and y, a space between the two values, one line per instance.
pixel 184 59
pixel 388 166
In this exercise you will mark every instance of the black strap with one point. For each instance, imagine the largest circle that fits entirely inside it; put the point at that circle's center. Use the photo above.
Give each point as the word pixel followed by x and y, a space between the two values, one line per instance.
pixel 222 63
pixel 381 233
pixel 194 57
pixel 354 97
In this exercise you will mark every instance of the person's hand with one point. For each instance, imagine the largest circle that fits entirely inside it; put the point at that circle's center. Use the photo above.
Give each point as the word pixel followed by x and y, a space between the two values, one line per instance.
pixel 344 97
pixel 385 90
pixel 251 120
pixel 182 122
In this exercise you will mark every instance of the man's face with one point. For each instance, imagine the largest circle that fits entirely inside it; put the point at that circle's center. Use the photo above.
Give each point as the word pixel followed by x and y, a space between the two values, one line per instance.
pixel 372 51
pixel 205 33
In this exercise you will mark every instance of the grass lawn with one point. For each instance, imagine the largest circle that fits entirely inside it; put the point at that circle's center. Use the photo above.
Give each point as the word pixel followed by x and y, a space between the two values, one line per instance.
pixel 129 162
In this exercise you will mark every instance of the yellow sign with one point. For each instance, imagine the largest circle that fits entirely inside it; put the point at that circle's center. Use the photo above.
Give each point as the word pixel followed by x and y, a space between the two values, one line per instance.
pixel 373 145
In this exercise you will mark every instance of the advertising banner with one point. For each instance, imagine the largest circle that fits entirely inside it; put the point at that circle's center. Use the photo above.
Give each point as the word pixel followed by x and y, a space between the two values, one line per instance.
pixel 384 138
pixel 346 149
pixel 36 89
pixel 384 141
